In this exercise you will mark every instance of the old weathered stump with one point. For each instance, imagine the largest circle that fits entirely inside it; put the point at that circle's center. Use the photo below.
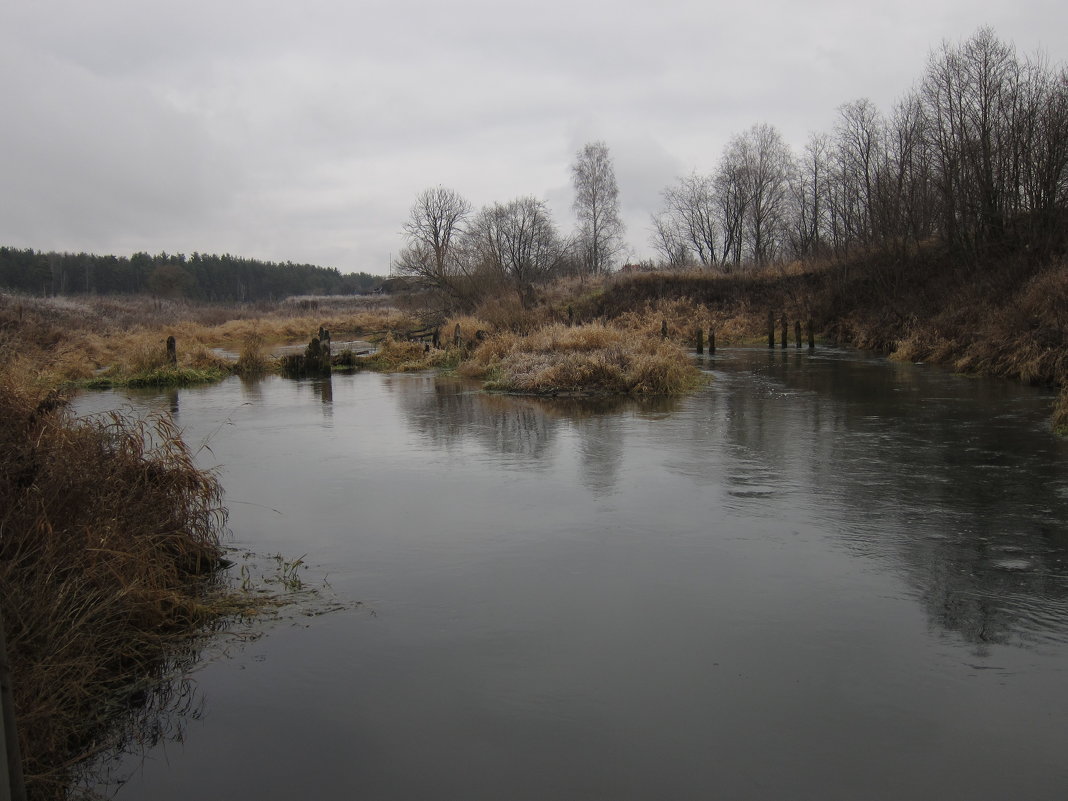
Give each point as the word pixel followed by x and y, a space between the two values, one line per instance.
pixel 456 336
pixel 771 329
pixel 172 352
pixel 797 332
pixel 811 334
pixel 785 332
pixel 663 329
pixel 700 340
pixel 711 340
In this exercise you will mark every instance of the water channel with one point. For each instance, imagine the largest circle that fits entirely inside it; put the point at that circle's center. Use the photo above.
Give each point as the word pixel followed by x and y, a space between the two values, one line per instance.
pixel 824 576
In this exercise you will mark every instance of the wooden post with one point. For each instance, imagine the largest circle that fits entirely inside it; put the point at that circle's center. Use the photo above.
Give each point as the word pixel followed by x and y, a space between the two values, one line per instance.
pixel 711 340
pixel 172 352
pixel 811 335
pixel 785 333
pixel 771 328
pixel 570 316
pixel 797 332
pixel 437 338
pixel 700 340
pixel 11 786
pixel 663 329
pixel 456 336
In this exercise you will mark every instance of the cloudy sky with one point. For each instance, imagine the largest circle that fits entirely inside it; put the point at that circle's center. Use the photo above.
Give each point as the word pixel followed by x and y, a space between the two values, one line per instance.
pixel 303 131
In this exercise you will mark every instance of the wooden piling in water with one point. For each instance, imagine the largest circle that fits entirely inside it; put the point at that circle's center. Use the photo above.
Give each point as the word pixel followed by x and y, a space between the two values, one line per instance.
pixel 700 340
pixel 172 351
pixel 811 335
pixel 785 333
pixel 711 340
pixel 771 328
pixel 797 332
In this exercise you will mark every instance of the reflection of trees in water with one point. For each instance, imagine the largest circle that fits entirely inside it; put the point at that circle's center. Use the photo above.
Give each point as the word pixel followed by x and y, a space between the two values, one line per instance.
pixel 451 413
pixel 448 414
pixel 938 472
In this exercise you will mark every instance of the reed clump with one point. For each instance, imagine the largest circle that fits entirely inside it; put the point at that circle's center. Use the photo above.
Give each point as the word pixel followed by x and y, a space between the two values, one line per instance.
pixel 109 536
pixel 593 359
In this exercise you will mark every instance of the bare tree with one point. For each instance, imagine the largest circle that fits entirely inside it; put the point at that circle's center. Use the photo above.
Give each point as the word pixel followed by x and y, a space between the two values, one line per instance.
pixel 754 178
pixel 732 198
pixel 597 207
pixel 667 239
pixel 433 230
pixel 518 242
pixel 690 211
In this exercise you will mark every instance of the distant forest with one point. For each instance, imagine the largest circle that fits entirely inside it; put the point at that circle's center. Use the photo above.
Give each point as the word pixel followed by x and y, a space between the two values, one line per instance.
pixel 199 276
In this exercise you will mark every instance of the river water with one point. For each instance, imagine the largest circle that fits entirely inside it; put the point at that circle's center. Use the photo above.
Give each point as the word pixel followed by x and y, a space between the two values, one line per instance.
pixel 821 577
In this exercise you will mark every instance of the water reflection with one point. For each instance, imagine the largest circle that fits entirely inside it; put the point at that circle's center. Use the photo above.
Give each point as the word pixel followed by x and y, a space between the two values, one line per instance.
pixel 151 718
pixel 948 477
pixel 453 414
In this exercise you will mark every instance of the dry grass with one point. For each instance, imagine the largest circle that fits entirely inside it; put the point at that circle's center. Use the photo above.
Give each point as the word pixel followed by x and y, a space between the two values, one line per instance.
pixel 592 359
pixel 108 533
pixel 64 340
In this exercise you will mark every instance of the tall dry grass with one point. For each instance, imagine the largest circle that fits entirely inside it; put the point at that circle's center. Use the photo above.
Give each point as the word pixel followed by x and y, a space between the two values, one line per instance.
pixel 591 359
pixel 108 533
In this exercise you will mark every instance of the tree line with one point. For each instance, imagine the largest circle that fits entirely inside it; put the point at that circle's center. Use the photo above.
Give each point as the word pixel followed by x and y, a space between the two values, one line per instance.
pixel 199 276
pixel 975 156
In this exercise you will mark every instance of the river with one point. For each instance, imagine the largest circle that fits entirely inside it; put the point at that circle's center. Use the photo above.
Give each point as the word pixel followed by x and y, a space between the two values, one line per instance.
pixel 824 576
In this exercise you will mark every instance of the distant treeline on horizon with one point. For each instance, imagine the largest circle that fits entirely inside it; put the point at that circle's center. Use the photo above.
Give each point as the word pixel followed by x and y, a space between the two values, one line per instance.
pixel 201 276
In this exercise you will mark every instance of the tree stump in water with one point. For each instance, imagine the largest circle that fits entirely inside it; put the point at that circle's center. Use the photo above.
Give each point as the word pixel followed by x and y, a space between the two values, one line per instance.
pixel 700 340
pixel 771 328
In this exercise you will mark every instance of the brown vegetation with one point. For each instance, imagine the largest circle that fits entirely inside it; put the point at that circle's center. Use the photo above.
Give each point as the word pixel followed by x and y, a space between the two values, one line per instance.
pixel 590 359
pixel 108 537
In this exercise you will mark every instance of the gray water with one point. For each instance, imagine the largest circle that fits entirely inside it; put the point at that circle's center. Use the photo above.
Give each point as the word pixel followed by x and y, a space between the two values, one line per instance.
pixel 821 577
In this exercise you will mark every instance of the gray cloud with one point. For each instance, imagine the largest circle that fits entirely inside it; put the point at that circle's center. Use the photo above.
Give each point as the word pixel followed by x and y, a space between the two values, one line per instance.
pixel 303 131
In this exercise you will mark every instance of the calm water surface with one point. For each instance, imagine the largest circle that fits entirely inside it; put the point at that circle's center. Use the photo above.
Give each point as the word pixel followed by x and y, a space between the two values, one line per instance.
pixel 822 577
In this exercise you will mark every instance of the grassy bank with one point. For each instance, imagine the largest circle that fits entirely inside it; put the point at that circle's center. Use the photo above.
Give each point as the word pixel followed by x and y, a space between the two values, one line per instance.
pixel 108 537
pixel 1004 317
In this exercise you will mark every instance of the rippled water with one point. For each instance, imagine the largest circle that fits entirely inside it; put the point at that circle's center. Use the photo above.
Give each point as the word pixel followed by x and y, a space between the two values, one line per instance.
pixel 822 577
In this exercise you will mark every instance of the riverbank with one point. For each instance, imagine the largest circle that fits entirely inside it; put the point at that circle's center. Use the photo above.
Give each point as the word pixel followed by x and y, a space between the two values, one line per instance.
pixel 110 539
pixel 1004 317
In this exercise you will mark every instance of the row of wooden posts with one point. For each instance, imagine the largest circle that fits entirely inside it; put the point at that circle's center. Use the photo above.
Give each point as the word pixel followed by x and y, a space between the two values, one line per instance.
pixel 784 339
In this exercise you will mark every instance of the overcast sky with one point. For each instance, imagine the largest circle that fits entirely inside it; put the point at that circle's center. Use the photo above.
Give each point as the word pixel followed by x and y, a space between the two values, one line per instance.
pixel 302 131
